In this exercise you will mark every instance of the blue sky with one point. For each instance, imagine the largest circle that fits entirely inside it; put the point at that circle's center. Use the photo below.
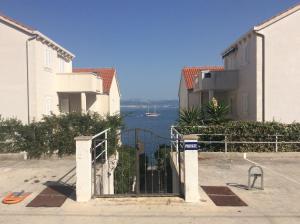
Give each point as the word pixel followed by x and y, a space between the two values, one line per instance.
pixel 147 41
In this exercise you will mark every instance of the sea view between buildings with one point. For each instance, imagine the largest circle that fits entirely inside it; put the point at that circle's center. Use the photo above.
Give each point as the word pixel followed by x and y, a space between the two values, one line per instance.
pixel 134 113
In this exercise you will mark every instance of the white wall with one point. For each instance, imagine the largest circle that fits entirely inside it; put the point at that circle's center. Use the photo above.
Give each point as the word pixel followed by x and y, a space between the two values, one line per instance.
pixel 103 104
pixel 183 95
pixel 194 99
pixel 114 97
pixel 244 60
pixel 13 87
pixel 43 97
pixel 46 92
pixel 282 69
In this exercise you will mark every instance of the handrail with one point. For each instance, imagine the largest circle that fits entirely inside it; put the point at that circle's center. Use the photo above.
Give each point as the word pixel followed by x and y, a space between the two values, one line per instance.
pixel 226 141
pixel 102 132
pixel 104 140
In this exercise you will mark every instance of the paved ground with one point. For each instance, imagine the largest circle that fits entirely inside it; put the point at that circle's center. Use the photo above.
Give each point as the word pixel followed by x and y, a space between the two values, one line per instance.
pixel 278 203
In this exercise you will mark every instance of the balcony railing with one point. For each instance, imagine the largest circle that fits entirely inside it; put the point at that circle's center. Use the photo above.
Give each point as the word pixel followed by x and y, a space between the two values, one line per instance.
pixel 217 80
pixel 78 82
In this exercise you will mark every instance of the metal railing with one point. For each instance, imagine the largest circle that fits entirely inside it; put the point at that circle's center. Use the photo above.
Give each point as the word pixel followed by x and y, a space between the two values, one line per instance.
pixel 99 148
pixel 97 141
pixel 175 136
pixel 226 140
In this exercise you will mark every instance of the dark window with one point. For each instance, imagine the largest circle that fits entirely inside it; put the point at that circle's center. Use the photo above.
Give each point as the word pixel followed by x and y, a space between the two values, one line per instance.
pixel 207 75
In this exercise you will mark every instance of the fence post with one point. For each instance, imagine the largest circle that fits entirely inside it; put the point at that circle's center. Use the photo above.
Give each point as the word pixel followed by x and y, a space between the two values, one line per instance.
pixel 276 144
pixel 225 140
pixel 191 179
pixel 83 168
pixel 105 135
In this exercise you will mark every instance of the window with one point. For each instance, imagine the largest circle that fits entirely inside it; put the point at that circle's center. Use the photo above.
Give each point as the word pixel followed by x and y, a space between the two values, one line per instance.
pixel 245 104
pixel 231 105
pixel 47 57
pixel 207 75
pixel 61 66
pixel 47 105
pixel 247 54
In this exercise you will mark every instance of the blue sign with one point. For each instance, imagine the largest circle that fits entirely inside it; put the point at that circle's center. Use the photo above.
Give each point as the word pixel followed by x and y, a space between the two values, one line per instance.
pixel 191 145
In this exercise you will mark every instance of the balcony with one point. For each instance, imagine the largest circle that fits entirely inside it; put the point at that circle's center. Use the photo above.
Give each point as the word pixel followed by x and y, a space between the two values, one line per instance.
pixel 217 80
pixel 78 82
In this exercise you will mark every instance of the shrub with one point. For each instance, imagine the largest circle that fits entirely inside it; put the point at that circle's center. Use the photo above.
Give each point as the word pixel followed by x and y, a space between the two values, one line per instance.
pixel 192 116
pixel 216 113
pixel 212 113
pixel 249 131
pixel 53 133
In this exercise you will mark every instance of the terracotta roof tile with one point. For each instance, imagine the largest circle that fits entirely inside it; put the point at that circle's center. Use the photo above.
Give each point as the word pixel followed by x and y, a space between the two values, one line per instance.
pixel 190 73
pixel 107 75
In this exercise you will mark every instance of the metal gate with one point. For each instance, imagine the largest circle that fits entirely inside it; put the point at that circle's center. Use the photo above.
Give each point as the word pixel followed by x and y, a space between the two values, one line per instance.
pixel 135 162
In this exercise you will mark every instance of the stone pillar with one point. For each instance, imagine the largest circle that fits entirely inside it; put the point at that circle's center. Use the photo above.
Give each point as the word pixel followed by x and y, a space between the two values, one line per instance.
pixel 210 94
pixel 105 180
pixel 191 182
pixel 175 172
pixel 83 168
pixel 83 102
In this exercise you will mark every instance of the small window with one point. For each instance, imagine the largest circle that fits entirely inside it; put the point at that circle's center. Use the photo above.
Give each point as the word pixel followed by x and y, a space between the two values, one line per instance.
pixel 247 54
pixel 231 105
pixel 47 105
pixel 61 64
pixel 47 57
pixel 245 104
pixel 207 75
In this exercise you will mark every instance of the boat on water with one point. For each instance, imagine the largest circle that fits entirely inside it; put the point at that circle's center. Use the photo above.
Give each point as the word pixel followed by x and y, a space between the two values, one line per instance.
pixel 152 114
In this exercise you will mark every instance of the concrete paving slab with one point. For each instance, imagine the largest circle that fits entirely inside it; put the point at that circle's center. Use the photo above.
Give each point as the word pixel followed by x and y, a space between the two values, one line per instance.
pixel 278 203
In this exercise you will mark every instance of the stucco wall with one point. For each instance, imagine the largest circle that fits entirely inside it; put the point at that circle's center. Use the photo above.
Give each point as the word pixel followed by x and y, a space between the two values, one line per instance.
pixel 282 69
pixel 102 104
pixel 43 97
pixel 244 97
pixel 183 95
pixel 114 98
pixel 194 99
pixel 13 87
pixel 46 95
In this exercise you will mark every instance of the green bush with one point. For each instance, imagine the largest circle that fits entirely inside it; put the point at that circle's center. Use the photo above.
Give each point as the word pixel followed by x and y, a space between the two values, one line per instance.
pixel 213 113
pixel 248 131
pixel 53 133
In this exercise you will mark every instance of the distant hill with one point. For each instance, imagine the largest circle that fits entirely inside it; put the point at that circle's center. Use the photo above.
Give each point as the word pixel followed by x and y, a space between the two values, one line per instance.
pixel 144 103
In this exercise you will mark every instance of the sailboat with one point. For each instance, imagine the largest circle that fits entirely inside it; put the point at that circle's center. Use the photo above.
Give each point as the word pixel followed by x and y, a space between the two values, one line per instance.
pixel 152 114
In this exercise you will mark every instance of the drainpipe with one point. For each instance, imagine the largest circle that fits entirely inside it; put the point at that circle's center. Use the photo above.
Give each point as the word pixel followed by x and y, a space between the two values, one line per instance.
pixel 27 76
pixel 263 75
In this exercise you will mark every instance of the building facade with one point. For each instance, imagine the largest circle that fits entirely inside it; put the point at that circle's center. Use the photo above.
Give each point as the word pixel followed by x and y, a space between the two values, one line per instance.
pixel 189 95
pixel 111 95
pixel 37 78
pixel 261 76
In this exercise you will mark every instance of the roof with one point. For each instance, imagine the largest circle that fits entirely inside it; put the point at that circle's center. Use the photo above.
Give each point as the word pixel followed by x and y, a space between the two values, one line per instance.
pixel 190 73
pixel 39 36
pixel 266 23
pixel 106 74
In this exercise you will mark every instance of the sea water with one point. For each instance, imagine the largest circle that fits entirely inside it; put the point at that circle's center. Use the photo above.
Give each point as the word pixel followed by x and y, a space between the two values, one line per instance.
pixel 134 117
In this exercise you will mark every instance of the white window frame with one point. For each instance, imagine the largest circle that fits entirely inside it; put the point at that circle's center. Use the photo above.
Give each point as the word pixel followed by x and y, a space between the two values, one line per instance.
pixel 247 53
pixel 47 105
pixel 47 57
pixel 61 65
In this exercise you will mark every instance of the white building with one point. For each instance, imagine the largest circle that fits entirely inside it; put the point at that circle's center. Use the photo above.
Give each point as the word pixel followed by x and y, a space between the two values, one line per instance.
pixel 188 96
pixel 36 77
pixel 110 99
pixel 261 79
